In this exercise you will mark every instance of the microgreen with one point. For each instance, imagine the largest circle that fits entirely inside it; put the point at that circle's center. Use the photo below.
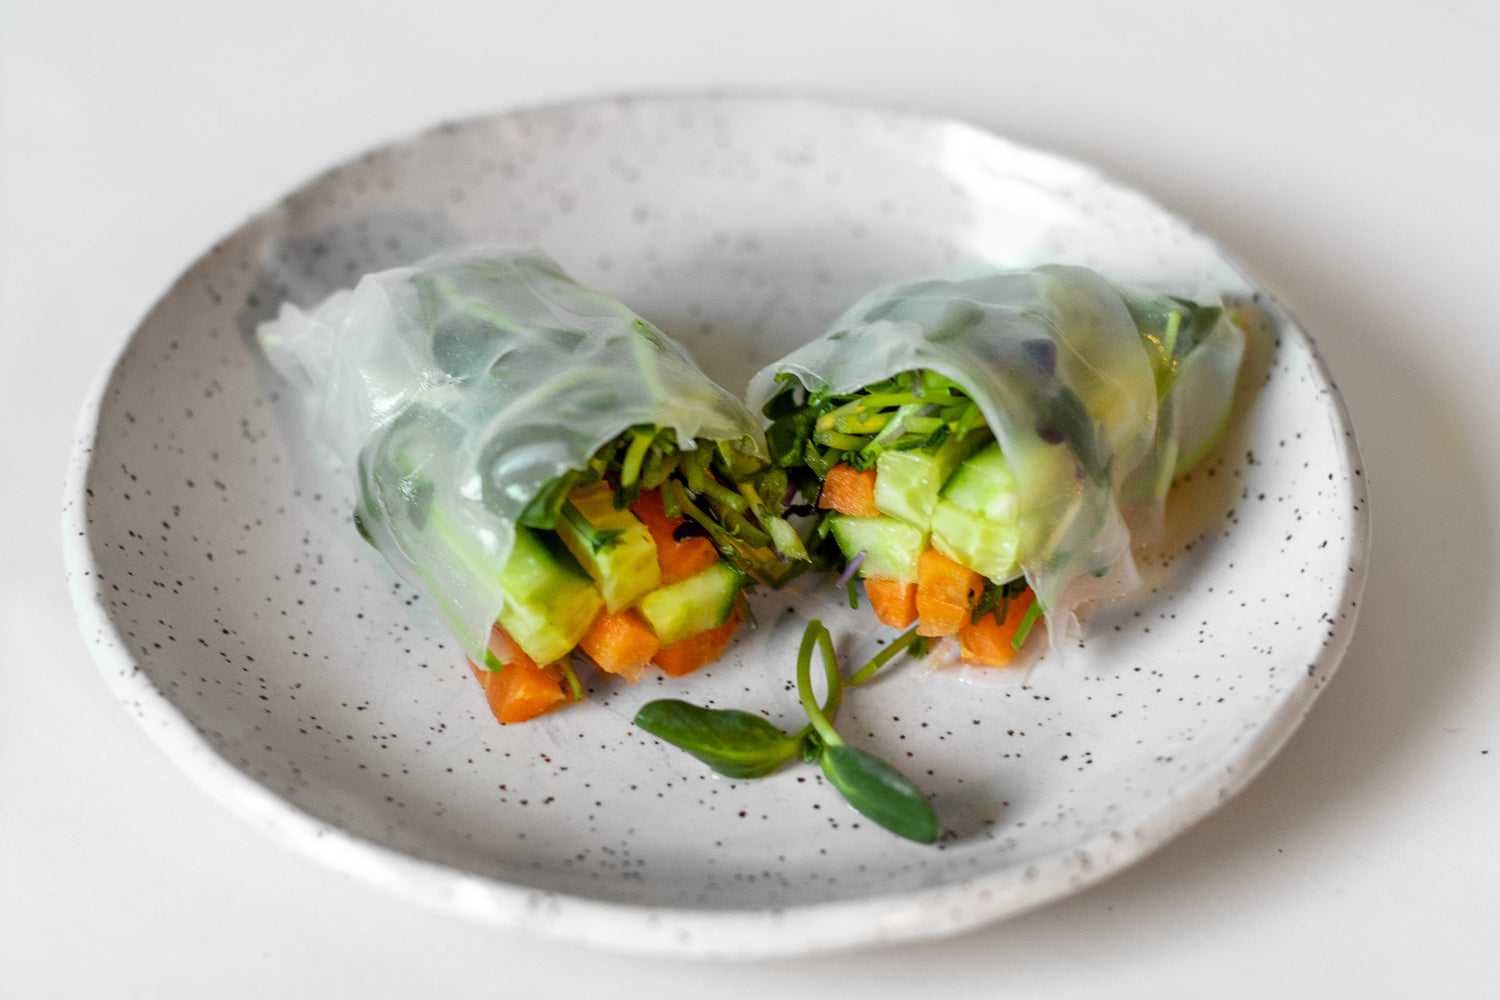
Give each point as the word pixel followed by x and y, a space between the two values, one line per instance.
pixel 910 410
pixel 734 743
pixel 741 745
pixel 1027 620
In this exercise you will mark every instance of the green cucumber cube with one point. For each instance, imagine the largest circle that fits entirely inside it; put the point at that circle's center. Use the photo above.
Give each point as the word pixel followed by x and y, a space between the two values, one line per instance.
pixel 891 546
pixel 987 547
pixel 985 485
pixel 612 546
pixel 907 483
pixel 549 601
pixel 683 609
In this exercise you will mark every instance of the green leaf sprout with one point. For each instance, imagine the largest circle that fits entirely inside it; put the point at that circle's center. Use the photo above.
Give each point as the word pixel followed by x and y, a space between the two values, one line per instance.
pixel 741 745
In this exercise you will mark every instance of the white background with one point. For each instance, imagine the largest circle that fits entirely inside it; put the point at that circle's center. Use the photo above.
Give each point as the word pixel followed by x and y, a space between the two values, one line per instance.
pixel 1349 153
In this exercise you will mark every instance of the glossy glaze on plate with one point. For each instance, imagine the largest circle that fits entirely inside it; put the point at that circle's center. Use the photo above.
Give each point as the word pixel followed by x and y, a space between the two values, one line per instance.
pixel 237 614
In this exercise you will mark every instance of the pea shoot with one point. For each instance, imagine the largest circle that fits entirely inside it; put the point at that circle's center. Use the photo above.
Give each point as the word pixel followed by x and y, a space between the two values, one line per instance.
pixel 741 745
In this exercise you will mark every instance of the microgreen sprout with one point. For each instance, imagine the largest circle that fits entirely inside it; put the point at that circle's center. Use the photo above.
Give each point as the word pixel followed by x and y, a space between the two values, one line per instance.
pixel 910 410
pixel 741 745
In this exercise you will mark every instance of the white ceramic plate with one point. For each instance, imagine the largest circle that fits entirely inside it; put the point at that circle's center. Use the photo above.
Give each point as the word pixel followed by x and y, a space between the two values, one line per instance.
pixel 237 615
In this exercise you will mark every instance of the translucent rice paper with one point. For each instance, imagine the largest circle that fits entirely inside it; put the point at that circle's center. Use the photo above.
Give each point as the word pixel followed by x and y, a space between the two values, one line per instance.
pixel 1070 390
pixel 456 390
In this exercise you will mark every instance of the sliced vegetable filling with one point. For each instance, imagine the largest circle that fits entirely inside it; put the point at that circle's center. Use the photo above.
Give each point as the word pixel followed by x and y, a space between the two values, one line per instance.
pixel 1057 409
pixel 502 426
pixel 638 562
pixel 917 497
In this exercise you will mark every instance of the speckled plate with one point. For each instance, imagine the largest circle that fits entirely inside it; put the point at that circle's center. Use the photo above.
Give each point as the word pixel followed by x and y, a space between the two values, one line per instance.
pixel 237 615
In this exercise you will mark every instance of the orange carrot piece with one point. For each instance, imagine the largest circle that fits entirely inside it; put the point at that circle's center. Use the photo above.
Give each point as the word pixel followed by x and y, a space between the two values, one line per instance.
pixel 522 690
pixel 621 643
pixel 849 491
pixel 687 655
pixel 946 591
pixel 894 601
pixel 678 560
pixel 988 642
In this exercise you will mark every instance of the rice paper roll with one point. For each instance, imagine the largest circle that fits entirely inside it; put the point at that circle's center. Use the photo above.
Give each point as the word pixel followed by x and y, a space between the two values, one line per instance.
pixel 1097 396
pixel 457 391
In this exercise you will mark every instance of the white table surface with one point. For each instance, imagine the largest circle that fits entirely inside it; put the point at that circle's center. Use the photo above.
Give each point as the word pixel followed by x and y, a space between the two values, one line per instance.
pixel 1347 152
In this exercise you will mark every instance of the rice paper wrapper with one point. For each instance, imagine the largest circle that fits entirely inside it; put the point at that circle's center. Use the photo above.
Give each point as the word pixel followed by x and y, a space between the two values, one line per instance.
pixel 454 391
pixel 1074 396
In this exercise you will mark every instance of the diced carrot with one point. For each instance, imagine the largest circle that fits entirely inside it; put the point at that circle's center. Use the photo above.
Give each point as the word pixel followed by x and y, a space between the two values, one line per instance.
pixel 849 491
pixel 687 655
pixel 522 690
pixel 894 601
pixel 621 643
pixel 946 591
pixel 988 642
pixel 678 560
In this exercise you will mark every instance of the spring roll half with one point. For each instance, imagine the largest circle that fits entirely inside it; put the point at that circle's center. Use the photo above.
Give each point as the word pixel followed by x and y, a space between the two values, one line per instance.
pixel 549 468
pixel 985 449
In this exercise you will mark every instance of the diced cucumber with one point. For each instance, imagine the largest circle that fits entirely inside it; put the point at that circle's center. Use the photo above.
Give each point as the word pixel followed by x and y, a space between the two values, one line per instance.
pixel 907 483
pixel 549 601
pixel 683 609
pixel 987 547
pixel 985 485
pixel 891 546
pixel 612 546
